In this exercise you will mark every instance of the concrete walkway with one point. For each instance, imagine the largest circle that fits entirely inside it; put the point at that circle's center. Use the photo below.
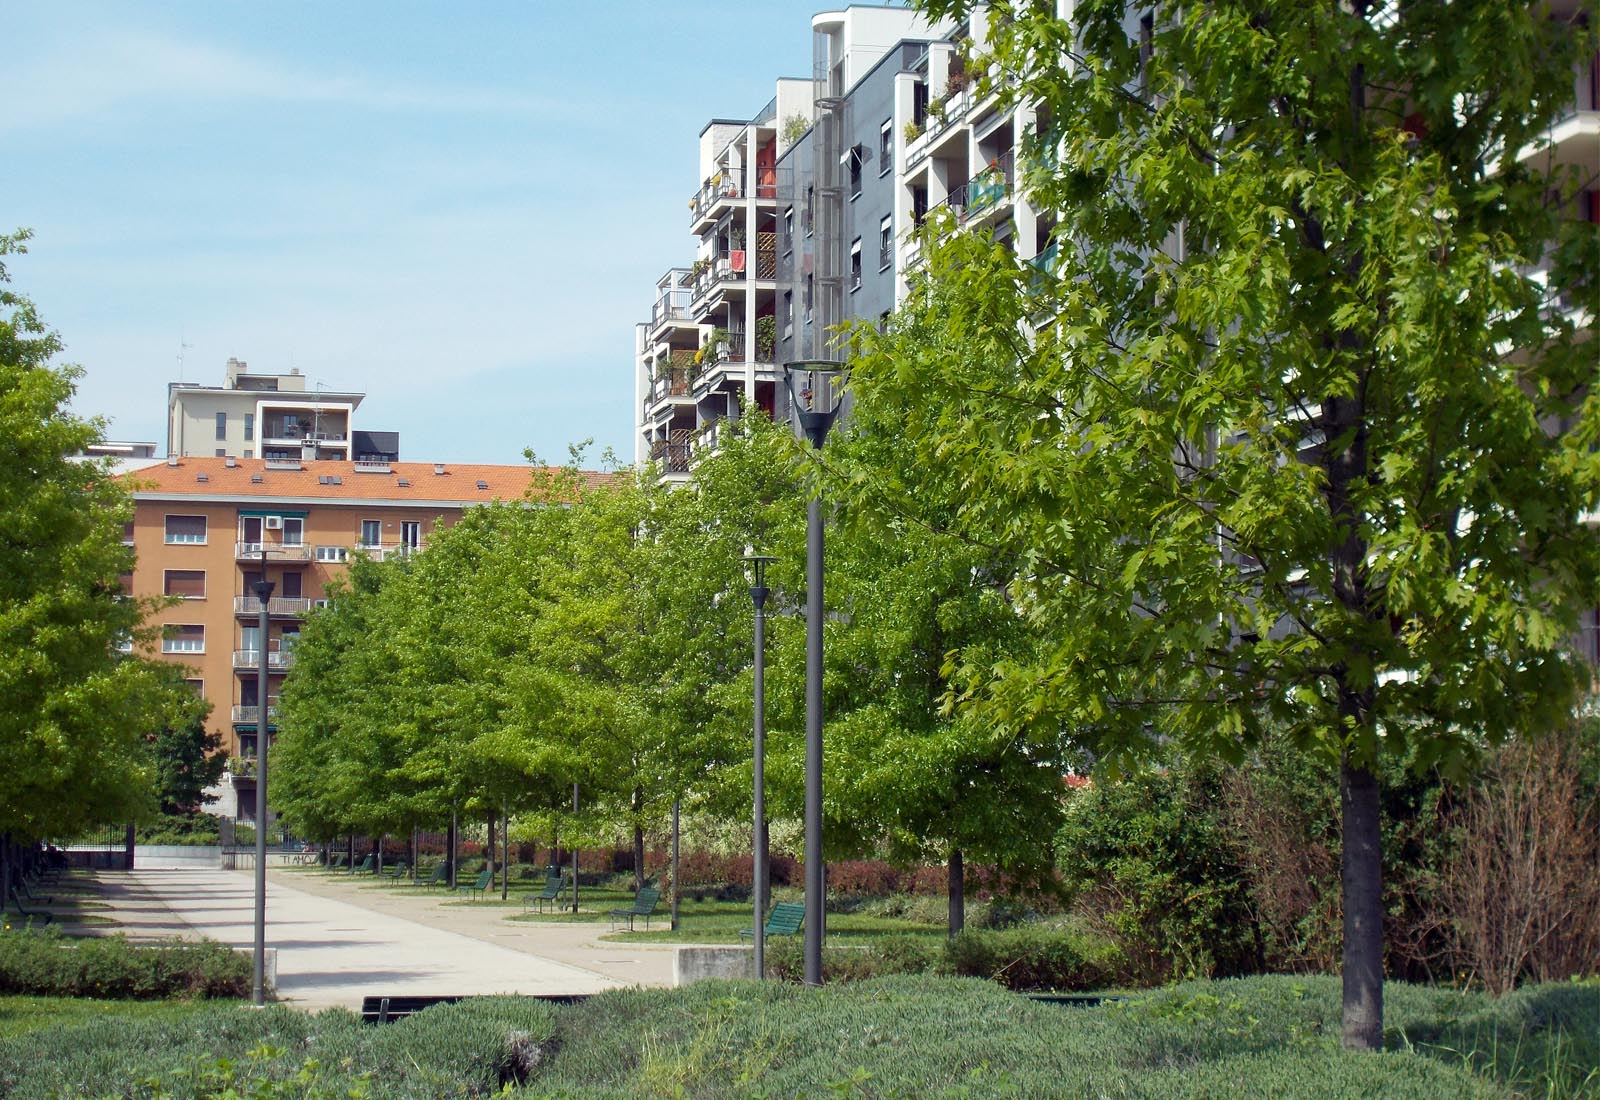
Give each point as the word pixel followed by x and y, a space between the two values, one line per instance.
pixel 340 940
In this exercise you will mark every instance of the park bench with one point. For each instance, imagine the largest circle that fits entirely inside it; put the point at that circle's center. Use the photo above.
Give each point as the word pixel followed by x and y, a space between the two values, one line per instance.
pixel 479 885
pixel 395 871
pixel 644 905
pixel 785 920
pixel 441 874
pixel 29 914
pixel 363 867
pixel 555 887
pixel 383 1010
pixel 26 891
pixel 336 862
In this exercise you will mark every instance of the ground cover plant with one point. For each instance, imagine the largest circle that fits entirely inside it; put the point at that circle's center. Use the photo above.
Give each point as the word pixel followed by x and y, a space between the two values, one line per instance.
pixel 894 1037
pixel 467 1050
pixel 936 1037
pixel 45 962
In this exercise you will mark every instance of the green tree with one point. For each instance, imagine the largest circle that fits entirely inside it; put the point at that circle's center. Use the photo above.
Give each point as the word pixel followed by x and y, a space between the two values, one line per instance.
pixel 73 711
pixel 187 756
pixel 1271 446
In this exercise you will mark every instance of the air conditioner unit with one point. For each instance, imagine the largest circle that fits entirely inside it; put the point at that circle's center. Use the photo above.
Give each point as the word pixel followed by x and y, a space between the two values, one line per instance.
pixel 274 523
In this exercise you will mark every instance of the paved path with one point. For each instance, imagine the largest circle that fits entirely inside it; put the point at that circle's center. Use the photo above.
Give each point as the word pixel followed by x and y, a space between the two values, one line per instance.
pixel 338 941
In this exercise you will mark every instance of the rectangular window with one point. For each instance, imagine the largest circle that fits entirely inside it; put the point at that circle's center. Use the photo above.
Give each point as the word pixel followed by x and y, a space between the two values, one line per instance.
pixel 188 583
pixel 371 534
pixel 333 553
pixel 809 214
pixel 220 452
pixel 886 146
pixel 249 428
pixel 854 157
pixel 197 686
pixel 805 295
pixel 127 533
pixel 184 639
pixel 788 229
pixel 250 639
pixel 186 529
pixel 222 425
pixel 886 241
pixel 294 530
pixel 249 453
pixel 290 588
pixel 411 534
pixel 788 312
pixel 855 264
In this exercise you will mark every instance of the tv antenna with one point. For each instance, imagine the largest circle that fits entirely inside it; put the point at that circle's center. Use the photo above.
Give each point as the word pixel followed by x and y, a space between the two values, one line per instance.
pixel 182 347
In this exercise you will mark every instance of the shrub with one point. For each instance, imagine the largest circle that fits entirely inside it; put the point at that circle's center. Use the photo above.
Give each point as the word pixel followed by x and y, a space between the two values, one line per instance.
pixel 1150 858
pixel 1033 956
pixel 46 963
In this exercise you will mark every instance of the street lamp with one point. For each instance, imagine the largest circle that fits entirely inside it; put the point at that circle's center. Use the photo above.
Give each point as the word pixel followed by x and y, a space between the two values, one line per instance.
pixel 758 878
pixel 814 390
pixel 258 993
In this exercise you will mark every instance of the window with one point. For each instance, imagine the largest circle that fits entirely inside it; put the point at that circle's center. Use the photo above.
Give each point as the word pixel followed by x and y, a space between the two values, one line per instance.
pixel 411 534
pixel 186 529
pixel 788 313
pixel 788 230
pixel 249 453
pixel 197 686
pixel 184 639
pixel 127 534
pixel 885 150
pixel 854 158
pixel 805 295
pixel 122 643
pixel 809 215
pixel 886 241
pixel 188 583
pixel 222 426
pixel 249 429
pixel 250 639
pixel 855 264
pixel 290 588
pixel 333 553
pixel 220 452
pixel 371 534
pixel 1147 49
pixel 294 531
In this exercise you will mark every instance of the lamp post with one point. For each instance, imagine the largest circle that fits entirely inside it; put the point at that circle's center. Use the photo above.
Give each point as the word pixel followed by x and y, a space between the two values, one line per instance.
pixel 258 993
pixel 758 878
pixel 814 387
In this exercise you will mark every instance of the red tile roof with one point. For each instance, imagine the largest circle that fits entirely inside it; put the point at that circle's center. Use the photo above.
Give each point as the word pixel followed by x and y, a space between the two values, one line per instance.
pixel 404 481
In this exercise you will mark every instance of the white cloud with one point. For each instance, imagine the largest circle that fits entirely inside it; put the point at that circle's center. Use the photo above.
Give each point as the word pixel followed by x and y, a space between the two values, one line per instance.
pixel 111 68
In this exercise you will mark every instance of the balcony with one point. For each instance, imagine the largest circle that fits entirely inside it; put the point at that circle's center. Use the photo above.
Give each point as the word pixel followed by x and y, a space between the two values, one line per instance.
pixel 276 552
pixel 991 189
pixel 251 715
pixel 673 452
pixel 278 660
pixel 277 606
pixel 708 438
pixel 673 382
pixel 733 268
pixel 720 188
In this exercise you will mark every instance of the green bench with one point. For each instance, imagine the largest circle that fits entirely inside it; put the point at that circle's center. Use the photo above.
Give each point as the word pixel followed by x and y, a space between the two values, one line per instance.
pixel 440 876
pixel 336 862
pixel 479 885
pixel 395 871
pixel 363 867
pixel 644 905
pixel 555 887
pixel 29 915
pixel 785 920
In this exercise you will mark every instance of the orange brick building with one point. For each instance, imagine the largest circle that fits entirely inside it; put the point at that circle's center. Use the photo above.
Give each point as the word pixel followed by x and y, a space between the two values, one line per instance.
pixel 199 528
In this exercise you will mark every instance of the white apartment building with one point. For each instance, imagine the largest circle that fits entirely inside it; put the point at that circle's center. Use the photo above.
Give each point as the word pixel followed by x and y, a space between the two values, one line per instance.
pixel 270 416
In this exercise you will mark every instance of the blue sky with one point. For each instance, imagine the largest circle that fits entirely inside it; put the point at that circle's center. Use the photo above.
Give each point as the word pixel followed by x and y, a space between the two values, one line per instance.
pixel 460 209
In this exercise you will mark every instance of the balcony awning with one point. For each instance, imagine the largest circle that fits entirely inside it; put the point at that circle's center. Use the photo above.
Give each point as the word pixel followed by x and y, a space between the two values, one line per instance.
pixel 264 512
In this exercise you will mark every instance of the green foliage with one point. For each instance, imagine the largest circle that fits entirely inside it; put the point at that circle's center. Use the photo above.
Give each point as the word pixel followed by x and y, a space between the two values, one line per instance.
pixel 1035 956
pixel 1152 859
pixel 44 962
pixel 187 756
pixel 467 1050
pixel 181 829
pixel 72 710
pixel 941 1037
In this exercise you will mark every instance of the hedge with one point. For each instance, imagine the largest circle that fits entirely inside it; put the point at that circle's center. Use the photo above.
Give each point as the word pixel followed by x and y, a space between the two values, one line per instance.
pixel 45 962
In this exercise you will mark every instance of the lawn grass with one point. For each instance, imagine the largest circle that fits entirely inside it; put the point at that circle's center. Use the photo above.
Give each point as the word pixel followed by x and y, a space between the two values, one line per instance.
pixel 710 921
pixel 19 1015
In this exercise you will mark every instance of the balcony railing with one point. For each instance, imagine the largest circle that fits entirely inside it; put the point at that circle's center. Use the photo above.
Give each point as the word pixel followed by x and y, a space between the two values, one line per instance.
pixel 277 605
pixel 276 551
pixel 991 186
pixel 672 382
pixel 724 185
pixel 673 452
pixel 708 437
pixel 277 659
pixel 249 716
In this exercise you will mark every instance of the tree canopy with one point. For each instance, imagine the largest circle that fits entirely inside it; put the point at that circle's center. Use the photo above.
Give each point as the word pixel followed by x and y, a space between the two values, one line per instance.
pixel 1268 436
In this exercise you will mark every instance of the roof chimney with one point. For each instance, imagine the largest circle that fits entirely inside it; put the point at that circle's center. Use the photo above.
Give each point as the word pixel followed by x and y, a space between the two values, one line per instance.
pixel 438 468
pixel 172 460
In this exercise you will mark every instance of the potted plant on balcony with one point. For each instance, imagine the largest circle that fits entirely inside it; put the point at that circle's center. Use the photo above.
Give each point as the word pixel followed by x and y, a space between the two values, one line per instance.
pixel 711 351
pixel 766 338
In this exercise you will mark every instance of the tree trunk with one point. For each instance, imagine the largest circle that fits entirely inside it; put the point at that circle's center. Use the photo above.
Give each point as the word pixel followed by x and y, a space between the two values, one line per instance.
pixel 675 891
pixel 377 854
pixel 1363 908
pixel 638 857
pixel 958 893
pixel 488 849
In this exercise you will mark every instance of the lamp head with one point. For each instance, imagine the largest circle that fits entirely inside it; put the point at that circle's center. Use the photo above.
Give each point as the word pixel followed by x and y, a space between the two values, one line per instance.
pixel 758 576
pixel 815 387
